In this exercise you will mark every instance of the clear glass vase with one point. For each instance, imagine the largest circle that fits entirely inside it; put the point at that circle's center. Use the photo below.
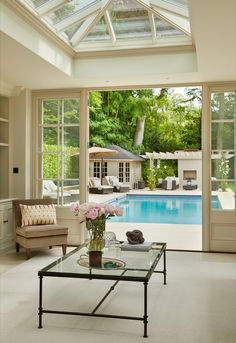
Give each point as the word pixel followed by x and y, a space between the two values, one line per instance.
pixel 96 229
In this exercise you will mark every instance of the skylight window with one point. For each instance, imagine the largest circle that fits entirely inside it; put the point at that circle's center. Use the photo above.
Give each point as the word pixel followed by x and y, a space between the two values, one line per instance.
pixel 129 20
pixel 180 3
pixel 89 25
pixel 99 32
pixel 38 3
pixel 71 8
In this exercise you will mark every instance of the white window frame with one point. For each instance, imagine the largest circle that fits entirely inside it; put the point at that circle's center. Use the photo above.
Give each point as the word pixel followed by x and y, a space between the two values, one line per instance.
pixel 37 172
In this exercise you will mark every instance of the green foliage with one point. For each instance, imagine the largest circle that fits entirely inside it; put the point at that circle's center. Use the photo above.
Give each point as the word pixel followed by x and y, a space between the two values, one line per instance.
pixel 173 124
pixel 151 179
pixel 223 170
pixel 70 163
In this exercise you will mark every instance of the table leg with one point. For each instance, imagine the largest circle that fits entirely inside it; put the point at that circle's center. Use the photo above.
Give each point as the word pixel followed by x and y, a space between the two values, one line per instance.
pixel 145 317
pixel 40 300
pixel 164 258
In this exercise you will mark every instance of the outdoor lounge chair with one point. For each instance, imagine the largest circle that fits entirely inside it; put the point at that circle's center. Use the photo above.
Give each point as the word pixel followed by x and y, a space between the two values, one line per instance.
pixel 96 187
pixel 50 192
pixel 170 183
pixel 117 186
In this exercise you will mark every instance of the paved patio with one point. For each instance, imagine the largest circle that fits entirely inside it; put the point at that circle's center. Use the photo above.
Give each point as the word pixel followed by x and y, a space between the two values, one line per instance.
pixel 177 236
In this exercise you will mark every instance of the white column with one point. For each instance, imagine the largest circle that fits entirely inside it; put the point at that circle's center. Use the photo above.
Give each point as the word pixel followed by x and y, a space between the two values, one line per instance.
pixel 84 141
pixel 206 160
pixel 84 158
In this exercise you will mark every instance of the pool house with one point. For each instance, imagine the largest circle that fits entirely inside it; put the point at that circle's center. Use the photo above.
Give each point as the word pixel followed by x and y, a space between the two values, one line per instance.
pixel 126 166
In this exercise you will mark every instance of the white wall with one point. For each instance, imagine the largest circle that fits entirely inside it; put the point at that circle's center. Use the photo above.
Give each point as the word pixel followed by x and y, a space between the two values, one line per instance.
pixel 20 147
pixel 190 165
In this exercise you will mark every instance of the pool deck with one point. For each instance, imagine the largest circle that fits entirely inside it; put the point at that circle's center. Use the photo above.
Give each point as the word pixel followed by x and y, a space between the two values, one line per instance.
pixel 177 236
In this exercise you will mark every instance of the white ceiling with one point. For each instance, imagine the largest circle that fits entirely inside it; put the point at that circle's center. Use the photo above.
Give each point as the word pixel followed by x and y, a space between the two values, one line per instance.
pixel 213 25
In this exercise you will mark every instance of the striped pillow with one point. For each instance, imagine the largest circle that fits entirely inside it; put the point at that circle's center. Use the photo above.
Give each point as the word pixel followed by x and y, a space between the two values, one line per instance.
pixel 38 214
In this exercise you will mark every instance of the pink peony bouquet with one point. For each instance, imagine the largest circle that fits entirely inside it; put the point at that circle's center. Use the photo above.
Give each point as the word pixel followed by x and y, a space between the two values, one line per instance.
pixel 92 211
pixel 95 216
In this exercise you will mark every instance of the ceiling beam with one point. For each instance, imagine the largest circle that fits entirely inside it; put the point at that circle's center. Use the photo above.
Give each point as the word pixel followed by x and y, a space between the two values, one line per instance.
pixel 50 6
pixel 152 25
pixel 110 27
pixel 77 17
pixel 89 23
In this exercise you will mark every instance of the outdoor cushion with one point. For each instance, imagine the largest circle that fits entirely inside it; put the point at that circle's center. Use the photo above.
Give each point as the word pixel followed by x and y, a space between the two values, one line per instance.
pixel 96 183
pixel 115 181
pixel 38 214
pixel 41 230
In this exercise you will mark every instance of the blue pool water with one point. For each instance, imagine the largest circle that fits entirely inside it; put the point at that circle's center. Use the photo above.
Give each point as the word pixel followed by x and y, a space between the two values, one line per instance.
pixel 171 209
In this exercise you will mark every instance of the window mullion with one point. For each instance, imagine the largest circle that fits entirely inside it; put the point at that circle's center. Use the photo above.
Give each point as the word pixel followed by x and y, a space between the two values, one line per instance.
pixel 58 148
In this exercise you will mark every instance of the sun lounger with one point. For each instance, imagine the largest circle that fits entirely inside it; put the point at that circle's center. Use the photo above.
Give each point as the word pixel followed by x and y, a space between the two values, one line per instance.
pixel 117 186
pixel 50 191
pixel 96 187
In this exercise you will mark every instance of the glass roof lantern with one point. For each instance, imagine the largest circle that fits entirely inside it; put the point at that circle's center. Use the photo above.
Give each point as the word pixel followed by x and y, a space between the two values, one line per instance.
pixel 89 25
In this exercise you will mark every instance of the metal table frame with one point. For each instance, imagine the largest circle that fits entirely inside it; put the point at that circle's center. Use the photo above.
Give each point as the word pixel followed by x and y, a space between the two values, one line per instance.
pixel 121 277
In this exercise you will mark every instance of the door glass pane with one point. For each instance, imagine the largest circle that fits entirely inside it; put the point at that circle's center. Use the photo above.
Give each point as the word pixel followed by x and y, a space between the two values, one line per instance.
pixel 222 165
pixel 71 111
pixel 70 166
pixel 49 110
pixel 222 105
pixel 71 138
pixel 222 136
pixel 50 139
pixel 223 193
pixel 50 166
pixel 71 187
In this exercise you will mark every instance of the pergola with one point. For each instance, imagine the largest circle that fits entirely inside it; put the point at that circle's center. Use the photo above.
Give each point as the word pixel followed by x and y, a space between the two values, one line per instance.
pixel 177 155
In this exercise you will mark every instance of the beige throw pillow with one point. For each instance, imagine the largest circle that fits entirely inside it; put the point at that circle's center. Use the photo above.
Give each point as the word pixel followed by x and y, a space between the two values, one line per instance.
pixel 38 214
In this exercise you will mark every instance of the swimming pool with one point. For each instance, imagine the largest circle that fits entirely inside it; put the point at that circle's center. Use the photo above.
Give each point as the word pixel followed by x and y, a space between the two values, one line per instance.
pixel 171 209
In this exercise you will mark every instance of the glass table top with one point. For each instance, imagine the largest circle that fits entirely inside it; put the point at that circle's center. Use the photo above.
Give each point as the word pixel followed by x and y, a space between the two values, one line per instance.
pixel 137 265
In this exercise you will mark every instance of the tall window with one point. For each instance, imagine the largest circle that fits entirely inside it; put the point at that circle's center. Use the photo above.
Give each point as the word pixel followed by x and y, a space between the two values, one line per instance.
pixel 127 172
pixel 58 149
pixel 104 169
pixel 96 169
pixel 121 171
pixel 223 149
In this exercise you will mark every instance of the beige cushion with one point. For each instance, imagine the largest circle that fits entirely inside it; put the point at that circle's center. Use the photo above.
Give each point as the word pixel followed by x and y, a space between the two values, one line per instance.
pixel 96 182
pixel 41 230
pixel 38 214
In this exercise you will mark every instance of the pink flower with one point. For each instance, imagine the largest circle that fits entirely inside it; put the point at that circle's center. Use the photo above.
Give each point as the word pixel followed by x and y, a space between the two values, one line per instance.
pixel 110 209
pixel 92 213
pixel 118 211
pixel 74 207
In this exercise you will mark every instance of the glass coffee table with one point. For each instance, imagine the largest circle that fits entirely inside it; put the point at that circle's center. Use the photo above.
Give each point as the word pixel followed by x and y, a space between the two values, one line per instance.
pixel 117 265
